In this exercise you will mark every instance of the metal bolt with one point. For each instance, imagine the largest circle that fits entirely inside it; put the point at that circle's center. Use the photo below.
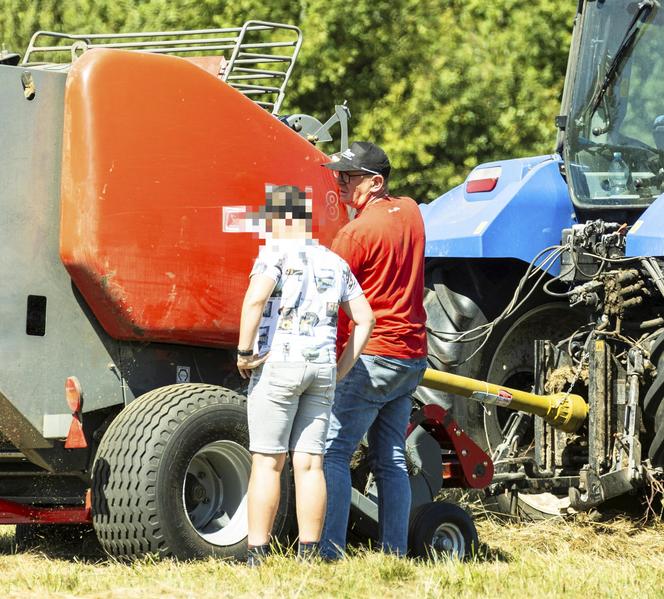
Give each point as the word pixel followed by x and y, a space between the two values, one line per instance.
pixel 464 452
pixel 457 432
pixel 485 463
pixel 206 501
pixel 474 475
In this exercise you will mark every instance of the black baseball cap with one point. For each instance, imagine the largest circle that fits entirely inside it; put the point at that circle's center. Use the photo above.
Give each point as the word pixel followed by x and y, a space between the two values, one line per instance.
pixel 361 156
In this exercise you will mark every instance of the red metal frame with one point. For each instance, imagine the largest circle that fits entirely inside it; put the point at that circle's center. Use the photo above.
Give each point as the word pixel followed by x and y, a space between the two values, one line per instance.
pixel 468 466
pixel 19 513
pixel 144 190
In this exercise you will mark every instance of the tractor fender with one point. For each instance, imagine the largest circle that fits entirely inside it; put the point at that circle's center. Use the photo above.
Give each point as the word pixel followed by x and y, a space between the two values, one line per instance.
pixel 645 237
pixel 524 213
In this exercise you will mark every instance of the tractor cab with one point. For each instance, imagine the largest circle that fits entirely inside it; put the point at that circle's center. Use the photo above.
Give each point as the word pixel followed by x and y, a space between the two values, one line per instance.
pixel 612 131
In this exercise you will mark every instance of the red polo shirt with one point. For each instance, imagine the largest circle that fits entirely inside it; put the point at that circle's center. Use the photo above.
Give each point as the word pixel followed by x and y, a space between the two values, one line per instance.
pixel 384 247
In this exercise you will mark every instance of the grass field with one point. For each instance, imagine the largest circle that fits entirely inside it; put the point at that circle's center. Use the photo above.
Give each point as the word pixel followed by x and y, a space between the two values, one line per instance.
pixel 551 559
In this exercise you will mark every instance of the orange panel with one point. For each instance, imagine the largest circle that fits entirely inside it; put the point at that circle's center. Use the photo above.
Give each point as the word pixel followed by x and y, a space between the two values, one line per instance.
pixel 154 148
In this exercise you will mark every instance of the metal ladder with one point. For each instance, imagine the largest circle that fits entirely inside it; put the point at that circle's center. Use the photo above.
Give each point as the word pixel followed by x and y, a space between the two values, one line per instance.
pixel 262 54
pixel 261 69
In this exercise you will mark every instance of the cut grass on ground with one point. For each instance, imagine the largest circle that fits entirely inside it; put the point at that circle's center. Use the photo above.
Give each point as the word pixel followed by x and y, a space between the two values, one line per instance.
pixel 547 559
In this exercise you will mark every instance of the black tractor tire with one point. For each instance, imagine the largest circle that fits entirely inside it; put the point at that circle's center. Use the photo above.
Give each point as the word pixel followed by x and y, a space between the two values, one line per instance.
pixel 60 539
pixel 653 406
pixel 171 474
pixel 461 295
pixel 441 529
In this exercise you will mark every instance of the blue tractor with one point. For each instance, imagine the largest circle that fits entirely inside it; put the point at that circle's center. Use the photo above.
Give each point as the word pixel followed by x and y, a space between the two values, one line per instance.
pixel 548 272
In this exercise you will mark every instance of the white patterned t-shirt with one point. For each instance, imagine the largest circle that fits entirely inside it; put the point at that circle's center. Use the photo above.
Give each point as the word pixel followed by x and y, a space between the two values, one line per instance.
pixel 299 322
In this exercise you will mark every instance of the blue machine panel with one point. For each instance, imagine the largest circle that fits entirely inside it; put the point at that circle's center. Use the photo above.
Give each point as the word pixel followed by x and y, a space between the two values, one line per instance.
pixel 645 237
pixel 526 212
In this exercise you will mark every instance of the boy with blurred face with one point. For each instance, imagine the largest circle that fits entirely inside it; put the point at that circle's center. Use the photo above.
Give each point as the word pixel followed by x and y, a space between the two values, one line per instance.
pixel 384 247
pixel 287 344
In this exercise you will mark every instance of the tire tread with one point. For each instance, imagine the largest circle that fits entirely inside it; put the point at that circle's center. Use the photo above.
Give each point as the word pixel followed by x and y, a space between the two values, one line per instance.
pixel 125 469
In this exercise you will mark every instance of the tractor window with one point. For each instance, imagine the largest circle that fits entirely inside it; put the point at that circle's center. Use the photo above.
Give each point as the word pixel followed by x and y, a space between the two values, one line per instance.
pixel 614 148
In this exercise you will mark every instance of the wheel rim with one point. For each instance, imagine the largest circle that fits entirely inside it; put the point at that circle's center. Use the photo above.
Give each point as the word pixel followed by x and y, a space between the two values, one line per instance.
pixel 214 492
pixel 512 365
pixel 448 541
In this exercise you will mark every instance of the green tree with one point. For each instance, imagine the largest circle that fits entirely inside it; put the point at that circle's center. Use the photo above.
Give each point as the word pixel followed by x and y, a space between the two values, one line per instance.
pixel 442 84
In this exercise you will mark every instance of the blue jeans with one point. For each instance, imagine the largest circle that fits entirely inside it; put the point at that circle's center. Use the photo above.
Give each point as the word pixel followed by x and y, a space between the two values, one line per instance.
pixel 374 398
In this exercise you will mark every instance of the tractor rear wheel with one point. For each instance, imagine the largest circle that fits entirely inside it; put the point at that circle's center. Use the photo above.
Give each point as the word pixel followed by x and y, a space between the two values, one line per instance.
pixel 171 476
pixel 465 294
pixel 653 406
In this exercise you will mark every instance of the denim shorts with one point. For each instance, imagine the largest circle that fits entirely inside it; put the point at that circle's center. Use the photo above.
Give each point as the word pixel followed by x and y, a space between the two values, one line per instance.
pixel 289 406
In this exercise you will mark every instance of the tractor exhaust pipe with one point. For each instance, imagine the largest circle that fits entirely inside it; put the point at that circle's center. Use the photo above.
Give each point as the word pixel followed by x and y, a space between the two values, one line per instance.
pixel 564 411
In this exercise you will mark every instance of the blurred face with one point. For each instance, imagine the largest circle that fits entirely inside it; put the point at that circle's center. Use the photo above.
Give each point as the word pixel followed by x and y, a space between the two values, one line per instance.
pixel 288 227
pixel 356 188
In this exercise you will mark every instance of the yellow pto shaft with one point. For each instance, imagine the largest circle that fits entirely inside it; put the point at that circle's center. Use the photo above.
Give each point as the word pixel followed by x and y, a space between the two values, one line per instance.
pixel 564 411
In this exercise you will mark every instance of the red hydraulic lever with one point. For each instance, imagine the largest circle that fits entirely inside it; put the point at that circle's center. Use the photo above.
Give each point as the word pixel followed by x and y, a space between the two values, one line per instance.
pixel 467 466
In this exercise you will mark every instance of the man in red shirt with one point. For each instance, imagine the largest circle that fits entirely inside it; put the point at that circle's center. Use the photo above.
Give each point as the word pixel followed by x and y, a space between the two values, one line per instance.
pixel 384 247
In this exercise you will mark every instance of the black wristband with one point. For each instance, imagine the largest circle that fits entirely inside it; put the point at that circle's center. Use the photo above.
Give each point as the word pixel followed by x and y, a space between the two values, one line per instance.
pixel 245 353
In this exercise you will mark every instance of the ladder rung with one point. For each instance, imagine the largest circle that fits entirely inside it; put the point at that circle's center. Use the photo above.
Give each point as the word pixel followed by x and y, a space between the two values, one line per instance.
pixel 240 78
pixel 247 78
pixel 240 85
pixel 256 92
pixel 267 44
pixel 260 72
pixel 265 56
pixel 257 61
pixel 228 42
pixel 250 85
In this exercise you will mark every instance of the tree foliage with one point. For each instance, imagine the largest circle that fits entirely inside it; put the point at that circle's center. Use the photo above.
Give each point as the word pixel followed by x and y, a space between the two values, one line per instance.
pixel 442 85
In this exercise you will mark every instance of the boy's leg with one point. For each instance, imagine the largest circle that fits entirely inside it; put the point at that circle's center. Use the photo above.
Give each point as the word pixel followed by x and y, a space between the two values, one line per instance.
pixel 263 495
pixel 307 444
pixel 310 495
pixel 271 407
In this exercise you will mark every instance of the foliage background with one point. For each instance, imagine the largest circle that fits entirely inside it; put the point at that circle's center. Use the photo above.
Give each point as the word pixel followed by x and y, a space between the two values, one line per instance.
pixel 442 85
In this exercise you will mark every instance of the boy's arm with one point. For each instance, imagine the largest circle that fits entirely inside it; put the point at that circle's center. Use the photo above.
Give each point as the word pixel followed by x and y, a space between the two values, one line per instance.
pixel 259 291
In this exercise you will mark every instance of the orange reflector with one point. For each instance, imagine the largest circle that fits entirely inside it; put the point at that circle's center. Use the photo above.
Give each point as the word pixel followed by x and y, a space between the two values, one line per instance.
pixel 73 394
pixel 75 438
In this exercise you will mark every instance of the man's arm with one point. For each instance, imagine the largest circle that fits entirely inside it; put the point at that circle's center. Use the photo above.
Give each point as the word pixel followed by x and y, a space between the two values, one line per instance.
pixel 359 311
pixel 259 291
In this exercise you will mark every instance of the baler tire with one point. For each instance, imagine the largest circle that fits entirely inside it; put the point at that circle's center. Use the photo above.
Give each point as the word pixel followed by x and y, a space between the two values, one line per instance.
pixel 171 474
pixel 442 529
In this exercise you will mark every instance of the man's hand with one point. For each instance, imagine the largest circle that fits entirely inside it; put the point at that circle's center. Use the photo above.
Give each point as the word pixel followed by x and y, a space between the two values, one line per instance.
pixel 245 364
